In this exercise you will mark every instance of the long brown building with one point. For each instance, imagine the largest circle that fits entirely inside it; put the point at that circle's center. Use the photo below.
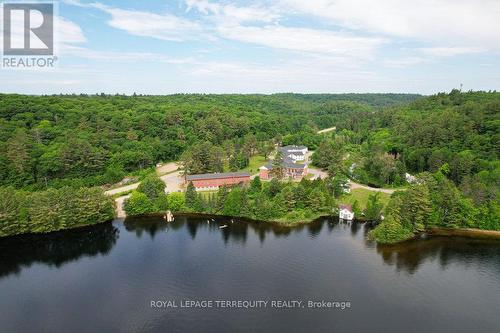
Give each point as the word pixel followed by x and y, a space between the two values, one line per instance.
pixel 212 181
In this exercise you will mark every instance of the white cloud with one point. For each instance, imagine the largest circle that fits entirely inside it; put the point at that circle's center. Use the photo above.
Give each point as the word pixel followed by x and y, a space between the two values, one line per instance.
pixel 113 56
pixel 229 13
pixel 304 40
pixel 450 51
pixel 475 22
pixel 426 55
pixel 406 61
pixel 244 24
pixel 65 32
pixel 146 24
pixel 68 32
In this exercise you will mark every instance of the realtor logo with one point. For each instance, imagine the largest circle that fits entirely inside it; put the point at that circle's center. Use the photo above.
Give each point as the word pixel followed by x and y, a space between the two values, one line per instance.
pixel 28 29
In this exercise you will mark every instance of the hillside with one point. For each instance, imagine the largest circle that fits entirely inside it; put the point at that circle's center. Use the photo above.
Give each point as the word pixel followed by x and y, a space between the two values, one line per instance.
pixel 92 140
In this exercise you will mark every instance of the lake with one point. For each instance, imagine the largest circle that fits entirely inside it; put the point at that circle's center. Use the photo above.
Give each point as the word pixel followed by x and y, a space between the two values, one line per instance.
pixel 127 276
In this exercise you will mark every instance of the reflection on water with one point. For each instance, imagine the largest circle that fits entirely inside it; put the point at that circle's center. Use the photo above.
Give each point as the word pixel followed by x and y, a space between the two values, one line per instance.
pixel 56 248
pixel 102 278
pixel 233 229
pixel 410 255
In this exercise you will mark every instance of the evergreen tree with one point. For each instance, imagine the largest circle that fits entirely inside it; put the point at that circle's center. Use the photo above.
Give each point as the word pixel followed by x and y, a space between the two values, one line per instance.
pixel 288 197
pixel 255 185
pixel 417 206
pixel 374 207
pixel 191 196
pixel 356 209
pixel 278 171
pixel 274 187
pixel 232 205
pixel 221 199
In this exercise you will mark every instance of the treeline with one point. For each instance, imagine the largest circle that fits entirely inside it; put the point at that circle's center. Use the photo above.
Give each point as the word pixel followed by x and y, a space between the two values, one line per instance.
pixel 54 141
pixel 456 135
pixel 268 201
pixel 434 202
pixel 55 209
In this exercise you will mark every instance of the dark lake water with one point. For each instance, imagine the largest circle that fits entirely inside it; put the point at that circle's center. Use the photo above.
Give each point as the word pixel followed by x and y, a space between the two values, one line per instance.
pixel 103 279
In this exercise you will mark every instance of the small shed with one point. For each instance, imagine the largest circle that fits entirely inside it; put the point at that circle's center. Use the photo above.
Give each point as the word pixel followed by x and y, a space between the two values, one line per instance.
pixel 346 212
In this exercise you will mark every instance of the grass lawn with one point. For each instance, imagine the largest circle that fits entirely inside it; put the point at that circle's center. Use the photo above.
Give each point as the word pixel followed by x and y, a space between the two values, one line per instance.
pixel 255 163
pixel 253 166
pixel 362 195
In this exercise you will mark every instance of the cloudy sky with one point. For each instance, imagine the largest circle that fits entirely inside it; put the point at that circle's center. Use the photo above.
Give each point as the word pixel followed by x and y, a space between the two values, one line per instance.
pixel 208 46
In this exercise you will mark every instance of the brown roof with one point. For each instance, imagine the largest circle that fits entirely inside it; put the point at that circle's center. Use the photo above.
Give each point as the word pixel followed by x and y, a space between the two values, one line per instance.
pixel 347 207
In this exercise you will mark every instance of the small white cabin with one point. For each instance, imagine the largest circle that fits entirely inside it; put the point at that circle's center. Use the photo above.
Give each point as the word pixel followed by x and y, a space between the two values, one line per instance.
pixel 346 212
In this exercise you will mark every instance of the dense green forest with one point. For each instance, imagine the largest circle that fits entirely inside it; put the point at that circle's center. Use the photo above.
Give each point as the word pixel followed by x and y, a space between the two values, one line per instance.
pixel 93 140
pixel 441 150
pixel 55 209
pixel 450 143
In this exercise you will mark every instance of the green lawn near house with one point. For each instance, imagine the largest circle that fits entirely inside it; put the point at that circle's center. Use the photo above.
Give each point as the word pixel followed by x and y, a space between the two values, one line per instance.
pixel 254 164
pixel 361 195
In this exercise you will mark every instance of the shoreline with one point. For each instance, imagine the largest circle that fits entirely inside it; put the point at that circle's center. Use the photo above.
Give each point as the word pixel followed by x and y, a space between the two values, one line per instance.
pixel 289 224
pixel 464 232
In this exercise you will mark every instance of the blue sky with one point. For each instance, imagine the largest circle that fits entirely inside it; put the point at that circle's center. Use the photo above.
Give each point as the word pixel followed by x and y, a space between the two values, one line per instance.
pixel 313 46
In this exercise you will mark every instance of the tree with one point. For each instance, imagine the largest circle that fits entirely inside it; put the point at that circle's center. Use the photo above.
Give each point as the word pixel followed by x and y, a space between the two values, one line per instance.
pixel 355 208
pixel 278 171
pixel 176 202
pixel 114 173
pixel 266 148
pixel 152 186
pixel 138 204
pixel 390 231
pixel 221 198
pixel 338 184
pixel 329 155
pixel 417 207
pixel 191 196
pixel 255 185
pixel 232 204
pixel 274 187
pixel 18 152
pixel 374 207
pixel 288 197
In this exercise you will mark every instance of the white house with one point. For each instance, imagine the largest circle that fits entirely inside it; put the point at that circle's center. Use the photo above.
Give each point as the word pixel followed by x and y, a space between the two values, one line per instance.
pixel 346 212
pixel 295 153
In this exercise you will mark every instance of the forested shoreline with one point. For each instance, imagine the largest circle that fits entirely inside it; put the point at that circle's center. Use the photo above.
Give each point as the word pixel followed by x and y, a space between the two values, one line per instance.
pixel 448 143
pixel 24 212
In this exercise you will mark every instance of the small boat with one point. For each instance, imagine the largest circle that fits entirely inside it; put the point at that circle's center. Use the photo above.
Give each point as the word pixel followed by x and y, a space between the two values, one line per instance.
pixel 223 226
